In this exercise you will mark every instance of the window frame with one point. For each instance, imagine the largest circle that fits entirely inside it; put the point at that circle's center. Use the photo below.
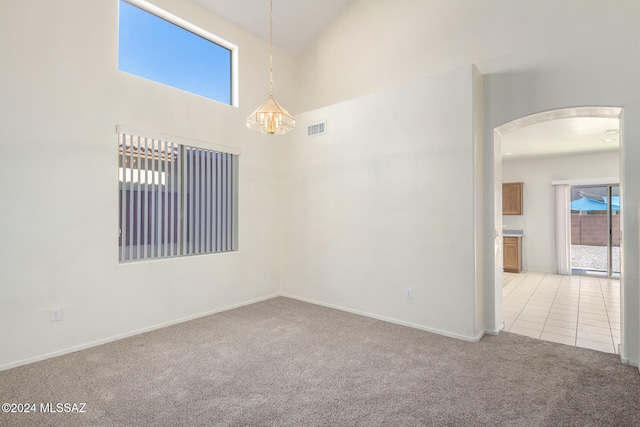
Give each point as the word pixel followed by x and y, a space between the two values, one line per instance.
pixel 183 247
pixel 188 26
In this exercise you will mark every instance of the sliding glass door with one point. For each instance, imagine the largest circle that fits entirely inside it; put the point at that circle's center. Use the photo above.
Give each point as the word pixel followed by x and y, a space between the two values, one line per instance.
pixel 595 230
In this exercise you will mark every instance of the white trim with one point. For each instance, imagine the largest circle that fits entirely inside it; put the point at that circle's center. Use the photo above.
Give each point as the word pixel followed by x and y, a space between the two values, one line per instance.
pixel 588 181
pixel 388 319
pixel 242 304
pixel 161 13
pixel 179 140
pixel 626 361
pixel 495 331
pixel 130 334
pixel 561 113
pixel 235 85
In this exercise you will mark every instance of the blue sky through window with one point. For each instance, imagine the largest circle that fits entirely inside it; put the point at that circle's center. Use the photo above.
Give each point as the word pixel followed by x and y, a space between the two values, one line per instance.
pixel 159 50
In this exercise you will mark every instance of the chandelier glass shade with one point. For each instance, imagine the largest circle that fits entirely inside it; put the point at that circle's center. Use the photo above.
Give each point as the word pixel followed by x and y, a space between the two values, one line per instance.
pixel 271 118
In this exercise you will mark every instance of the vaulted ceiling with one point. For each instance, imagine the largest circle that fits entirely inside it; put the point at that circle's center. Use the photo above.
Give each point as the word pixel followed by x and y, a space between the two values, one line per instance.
pixel 295 22
pixel 298 22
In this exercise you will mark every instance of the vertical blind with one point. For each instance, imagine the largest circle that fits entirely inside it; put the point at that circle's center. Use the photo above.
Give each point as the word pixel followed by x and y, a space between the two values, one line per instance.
pixel 175 199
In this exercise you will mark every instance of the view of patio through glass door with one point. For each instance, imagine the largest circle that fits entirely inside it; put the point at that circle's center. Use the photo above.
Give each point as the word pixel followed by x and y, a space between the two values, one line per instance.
pixel 595 230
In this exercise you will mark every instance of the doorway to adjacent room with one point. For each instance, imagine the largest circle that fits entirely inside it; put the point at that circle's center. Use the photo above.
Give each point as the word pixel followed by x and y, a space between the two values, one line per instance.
pixel 580 306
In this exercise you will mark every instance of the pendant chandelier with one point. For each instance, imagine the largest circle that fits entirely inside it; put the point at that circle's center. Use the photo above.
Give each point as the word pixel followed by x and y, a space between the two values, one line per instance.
pixel 270 117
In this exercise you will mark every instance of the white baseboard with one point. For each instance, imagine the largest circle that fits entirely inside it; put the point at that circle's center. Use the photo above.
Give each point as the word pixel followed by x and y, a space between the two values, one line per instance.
pixel 253 301
pixel 625 360
pixel 388 319
pixel 496 331
pixel 128 334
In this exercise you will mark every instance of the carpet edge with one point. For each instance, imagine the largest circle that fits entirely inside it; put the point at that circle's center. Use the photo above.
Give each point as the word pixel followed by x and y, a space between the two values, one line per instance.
pixel 388 319
pixel 117 337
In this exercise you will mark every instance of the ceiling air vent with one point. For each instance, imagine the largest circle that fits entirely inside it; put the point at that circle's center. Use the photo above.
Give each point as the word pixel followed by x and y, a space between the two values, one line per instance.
pixel 317 129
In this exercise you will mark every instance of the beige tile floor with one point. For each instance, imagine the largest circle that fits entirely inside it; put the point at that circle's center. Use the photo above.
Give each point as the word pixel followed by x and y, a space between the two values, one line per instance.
pixel 574 310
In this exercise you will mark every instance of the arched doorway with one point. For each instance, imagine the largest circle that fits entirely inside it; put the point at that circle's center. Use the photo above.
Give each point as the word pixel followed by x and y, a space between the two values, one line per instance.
pixel 501 134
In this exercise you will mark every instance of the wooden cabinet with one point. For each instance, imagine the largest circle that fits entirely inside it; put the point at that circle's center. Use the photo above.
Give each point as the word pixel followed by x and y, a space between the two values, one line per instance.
pixel 512 198
pixel 512 254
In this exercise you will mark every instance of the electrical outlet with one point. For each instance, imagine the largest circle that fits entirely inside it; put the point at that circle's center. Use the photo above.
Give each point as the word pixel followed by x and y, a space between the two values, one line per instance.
pixel 409 293
pixel 56 314
pixel 265 276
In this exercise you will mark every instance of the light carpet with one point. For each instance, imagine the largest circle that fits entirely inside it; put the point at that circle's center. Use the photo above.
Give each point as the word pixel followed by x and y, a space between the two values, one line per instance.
pixel 283 362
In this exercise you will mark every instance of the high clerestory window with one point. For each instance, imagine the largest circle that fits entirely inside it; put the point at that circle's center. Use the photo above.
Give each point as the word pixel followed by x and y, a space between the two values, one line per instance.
pixel 159 46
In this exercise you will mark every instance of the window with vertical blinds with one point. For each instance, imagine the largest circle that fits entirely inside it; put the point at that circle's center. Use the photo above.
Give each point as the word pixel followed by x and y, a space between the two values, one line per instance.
pixel 175 199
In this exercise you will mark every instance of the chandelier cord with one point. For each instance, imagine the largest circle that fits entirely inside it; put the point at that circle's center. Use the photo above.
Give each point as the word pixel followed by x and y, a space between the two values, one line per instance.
pixel 270 47
pixel 270 117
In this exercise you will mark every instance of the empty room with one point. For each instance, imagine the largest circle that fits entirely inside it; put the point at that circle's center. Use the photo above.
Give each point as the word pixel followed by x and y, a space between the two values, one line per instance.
pixel 290 212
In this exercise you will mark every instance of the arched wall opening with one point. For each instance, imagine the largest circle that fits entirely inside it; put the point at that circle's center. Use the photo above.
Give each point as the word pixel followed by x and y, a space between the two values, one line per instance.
pixel 501 133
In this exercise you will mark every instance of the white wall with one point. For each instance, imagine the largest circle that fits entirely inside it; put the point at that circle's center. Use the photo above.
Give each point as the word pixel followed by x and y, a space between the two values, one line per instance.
pixel 537 218
pixel 62 96
pixel 374 207
pixel 535 56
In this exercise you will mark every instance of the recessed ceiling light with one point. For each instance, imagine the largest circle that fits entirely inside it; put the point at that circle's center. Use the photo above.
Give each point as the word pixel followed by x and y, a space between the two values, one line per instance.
pixel 609 140
pixel 508 154
pixel 611 131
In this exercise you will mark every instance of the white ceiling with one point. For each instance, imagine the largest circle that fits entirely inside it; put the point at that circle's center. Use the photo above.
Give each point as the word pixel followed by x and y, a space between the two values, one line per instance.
pixel 295 22
pixel 561 137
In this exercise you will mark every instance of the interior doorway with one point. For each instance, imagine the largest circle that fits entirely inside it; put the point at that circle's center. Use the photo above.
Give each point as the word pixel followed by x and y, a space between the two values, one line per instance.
pixel 504 318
